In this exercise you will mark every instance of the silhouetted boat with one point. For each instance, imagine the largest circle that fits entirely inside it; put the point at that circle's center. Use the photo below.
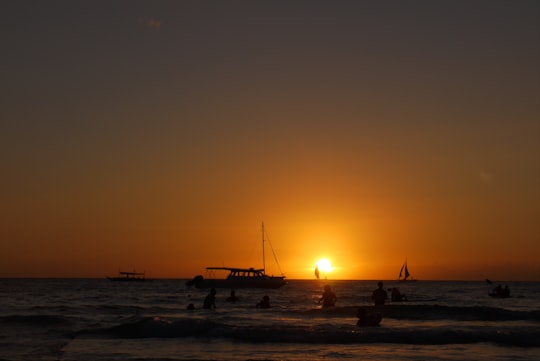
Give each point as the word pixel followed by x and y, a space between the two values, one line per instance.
pixel 129 277
pixel 239 277
pixel 499 291
pixel 404 275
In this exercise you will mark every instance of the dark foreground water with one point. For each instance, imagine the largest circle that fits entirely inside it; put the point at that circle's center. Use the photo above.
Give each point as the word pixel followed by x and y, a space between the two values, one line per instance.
pixel 96 319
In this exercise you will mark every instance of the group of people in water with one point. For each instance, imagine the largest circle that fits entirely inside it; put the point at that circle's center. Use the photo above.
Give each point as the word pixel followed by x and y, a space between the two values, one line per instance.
pixel 379 297
pixel 210 301
pixel 500 292
pixel 328 299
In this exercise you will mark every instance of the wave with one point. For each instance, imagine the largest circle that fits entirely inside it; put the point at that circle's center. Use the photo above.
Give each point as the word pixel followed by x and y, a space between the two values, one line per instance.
pixel 436 312
pixel 154 327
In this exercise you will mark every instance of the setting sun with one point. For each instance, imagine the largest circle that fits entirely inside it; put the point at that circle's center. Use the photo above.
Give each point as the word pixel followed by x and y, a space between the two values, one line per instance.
pixel 324 265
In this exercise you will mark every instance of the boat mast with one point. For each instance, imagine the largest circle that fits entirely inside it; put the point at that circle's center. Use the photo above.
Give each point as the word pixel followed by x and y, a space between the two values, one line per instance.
pixel 264 262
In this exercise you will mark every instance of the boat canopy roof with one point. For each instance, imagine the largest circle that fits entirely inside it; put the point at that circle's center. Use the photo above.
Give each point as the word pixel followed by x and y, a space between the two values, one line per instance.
pixel 235 269
pixel 132 273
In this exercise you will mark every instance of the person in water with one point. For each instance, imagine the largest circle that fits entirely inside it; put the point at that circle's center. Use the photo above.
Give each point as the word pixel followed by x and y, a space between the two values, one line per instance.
pixel 501 292
pixel 397 296
pixel 264 303
pixel 210 300
pixel 368 319
pixel 328 297
pixel 232 297
pixel 379 295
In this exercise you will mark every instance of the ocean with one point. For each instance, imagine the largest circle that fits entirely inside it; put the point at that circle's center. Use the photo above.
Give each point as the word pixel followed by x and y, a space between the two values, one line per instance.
pixel 96 319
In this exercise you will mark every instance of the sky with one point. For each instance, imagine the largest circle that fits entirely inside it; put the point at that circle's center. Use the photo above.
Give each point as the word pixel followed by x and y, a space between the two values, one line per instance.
pixel 158 136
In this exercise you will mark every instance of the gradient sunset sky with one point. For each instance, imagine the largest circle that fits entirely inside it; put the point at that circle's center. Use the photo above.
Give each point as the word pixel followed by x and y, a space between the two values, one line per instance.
pixel 157 136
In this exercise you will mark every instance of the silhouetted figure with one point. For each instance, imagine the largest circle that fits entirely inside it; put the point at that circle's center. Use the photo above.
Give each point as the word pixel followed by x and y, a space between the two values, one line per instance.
pixel 397 296
pixel 500 292
pixel 265 302
pixel 328 297
pixel 232 297
pixel 210 300
pixel 368 319
pixel 379 295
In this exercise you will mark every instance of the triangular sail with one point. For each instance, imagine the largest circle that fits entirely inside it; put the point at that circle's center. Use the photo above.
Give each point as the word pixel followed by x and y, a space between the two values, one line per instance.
pixel 404 272
pixel 407 274
pixel 317 272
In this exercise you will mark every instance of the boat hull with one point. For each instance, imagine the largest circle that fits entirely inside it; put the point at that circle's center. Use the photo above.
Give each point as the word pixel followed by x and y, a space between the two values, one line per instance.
pixel 124 279
pixel 268 283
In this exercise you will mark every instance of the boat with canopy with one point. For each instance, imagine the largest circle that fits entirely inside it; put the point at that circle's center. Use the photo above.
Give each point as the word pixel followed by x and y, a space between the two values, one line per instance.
pixel 129 277
pixel 240 277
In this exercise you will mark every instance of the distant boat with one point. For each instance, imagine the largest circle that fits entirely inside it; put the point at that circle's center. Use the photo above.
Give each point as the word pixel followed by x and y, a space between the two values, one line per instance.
pixel 498 291
pixel 129 277
pixel 404 275
pixel 239 277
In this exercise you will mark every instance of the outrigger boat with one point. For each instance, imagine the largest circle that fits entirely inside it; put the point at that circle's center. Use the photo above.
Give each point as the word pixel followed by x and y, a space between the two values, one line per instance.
pixel 129 277
pixel 239 277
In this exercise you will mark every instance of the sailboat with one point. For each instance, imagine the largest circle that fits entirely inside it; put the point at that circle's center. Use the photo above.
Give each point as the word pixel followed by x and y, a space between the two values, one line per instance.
pixel 239 277
pixel 404 275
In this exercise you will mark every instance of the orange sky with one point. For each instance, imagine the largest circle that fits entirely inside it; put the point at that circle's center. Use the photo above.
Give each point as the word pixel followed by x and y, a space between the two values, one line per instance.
pixel 158 137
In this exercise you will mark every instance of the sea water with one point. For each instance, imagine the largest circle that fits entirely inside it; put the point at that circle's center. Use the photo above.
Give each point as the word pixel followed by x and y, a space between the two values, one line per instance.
pixel 96 319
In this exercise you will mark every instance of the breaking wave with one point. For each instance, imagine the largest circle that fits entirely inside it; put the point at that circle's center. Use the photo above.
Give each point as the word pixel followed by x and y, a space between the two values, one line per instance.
pixel 522 335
